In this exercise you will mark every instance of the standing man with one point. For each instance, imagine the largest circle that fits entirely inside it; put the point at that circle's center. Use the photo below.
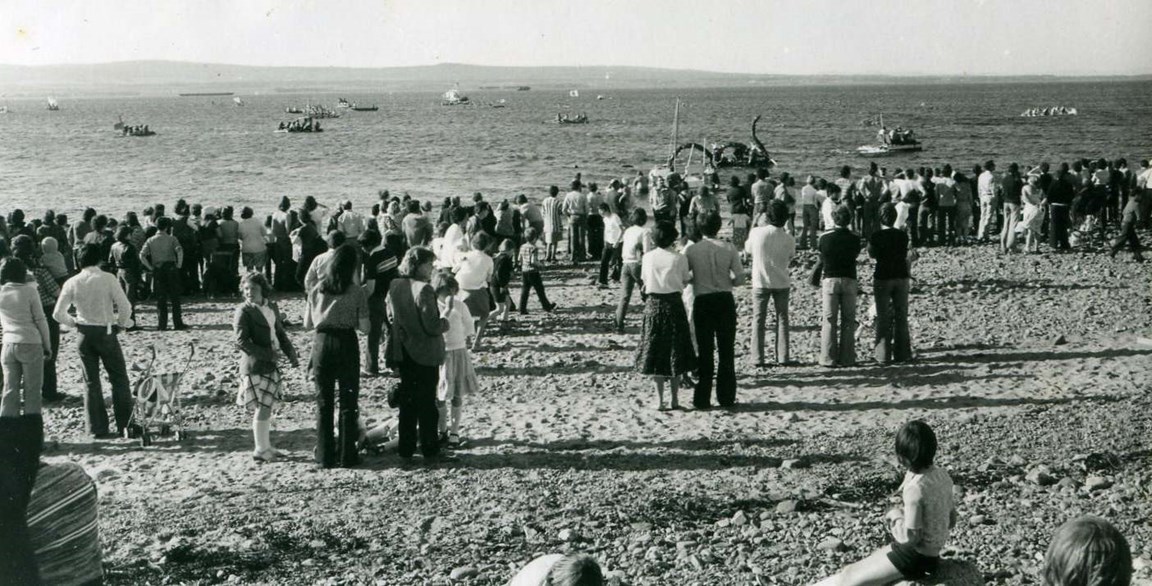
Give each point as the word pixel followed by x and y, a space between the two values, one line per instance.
pixel 810 213
pixel 1144 185
pixel 890 286
pixel 839 248
pixel 186 232
pixel 417 228
pixel 595 222
pixel 1128 219
pixel 281 245
pixel 1010 187
pixel 772 249
pixel 716 269
pixel 102 311
pixel 872 188
pixel 351 223
pixel 986 189
pixel 576 208
pixel 1060 193
pixel 163 256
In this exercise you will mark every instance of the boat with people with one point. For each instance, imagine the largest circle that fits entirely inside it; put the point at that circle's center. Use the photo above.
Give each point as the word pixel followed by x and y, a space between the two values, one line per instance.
pixel 303 124
pixel 342 103
pixel 291 110
pixel 891 142
pixel 313 111
pixel 136 130
pixel 580 118
pixel 1049 111
pixel 371 108
pixel 453 97
pixel 53 106
pixel 236 100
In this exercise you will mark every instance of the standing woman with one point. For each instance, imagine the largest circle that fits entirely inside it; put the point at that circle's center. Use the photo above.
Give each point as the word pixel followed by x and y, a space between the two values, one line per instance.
pixel 27 343
pixel 311 245
pixel 1033 199
pixel 48 289
pixel 417 350
pixel 260 334
pixel 665 351
pixel 337 307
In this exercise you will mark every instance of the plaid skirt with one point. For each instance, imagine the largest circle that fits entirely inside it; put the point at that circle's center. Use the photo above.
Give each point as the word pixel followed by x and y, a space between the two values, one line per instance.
pixel 665 347
pixel 260 390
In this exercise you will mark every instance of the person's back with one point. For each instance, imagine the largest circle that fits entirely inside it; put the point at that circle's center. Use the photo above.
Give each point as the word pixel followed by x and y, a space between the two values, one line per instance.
pixel 930 492
pixel 838 251
pixel 772 249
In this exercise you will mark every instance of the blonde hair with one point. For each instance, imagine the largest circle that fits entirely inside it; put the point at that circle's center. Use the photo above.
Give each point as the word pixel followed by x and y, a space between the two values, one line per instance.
pixel 1088 551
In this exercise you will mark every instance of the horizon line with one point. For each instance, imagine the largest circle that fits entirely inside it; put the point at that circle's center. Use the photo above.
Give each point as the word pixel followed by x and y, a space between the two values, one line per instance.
pixel 596 66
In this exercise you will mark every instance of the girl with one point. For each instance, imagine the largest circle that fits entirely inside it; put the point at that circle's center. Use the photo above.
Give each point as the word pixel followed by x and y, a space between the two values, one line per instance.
pixel 1033 198
pixel 26 342
pixel 1088 551
pixel 473 271
pixel 739 222
pixel 530 267
pixel 457 376
pixel 665 351
pixel 337 308
pixel 921 527
pixel 259 331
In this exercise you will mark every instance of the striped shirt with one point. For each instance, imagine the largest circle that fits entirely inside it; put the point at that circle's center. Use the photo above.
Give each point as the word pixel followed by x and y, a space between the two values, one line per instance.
pixel 529 257
pixel 553 215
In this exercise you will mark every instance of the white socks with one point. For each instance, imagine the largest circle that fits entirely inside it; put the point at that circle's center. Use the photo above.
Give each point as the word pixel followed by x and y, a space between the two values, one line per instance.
pixel 455 431
pixel 261 430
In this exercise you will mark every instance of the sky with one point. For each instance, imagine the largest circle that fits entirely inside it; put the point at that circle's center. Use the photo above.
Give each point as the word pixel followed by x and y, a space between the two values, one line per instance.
pixel 797 37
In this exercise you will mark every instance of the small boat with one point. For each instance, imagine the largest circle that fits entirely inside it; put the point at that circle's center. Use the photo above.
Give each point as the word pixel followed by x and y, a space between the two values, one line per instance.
pixel 574 94
pixel 202 94
pixel 523 88
pixel 291 110
pixel 565 119
pixel 53 106
pixel 371 108
pixel 883 150
pixel 1050 111
pixel 119 124
pixel 453 97
pixel 342 103
pixel 236 100
pixel 3 109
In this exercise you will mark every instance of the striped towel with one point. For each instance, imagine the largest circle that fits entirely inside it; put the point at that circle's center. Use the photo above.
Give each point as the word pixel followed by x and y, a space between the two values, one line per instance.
pixel 62 526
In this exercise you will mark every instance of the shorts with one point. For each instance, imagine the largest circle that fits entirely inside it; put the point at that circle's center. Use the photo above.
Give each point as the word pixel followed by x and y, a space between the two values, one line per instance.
pixel 478 301
pixel 911 564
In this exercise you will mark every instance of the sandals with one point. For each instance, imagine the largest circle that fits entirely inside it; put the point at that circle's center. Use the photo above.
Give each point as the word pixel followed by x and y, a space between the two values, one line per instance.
pixel 455 442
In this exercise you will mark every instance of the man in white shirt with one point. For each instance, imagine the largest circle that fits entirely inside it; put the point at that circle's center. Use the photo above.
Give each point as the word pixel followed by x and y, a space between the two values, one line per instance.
pixel 350 223
pixel 474 270
pixel 810 200
pixel 986 188
pixel 634 243
pixel 575 207
pixel 772 249
pixel 613 239
pixel 716 270
pixel 102 311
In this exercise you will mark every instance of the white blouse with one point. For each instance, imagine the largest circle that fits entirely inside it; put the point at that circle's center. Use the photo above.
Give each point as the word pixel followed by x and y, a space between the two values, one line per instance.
pixel 664 271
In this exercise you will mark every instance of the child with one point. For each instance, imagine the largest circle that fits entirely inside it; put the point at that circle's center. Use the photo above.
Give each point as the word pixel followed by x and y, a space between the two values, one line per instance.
pixel 613 242
pixel 740 222
pixel 560 570
pixel 502 267
pixel 457 376
pixel 1088 551
pixel 920 529
pixel 530 272
pixel 260 334
pixel 52 260
pixel 473 271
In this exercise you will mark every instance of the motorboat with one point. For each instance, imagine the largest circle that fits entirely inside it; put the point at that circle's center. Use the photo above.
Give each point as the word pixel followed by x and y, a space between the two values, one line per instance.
pixel 371 108
pixel 883 150
pixel 453 97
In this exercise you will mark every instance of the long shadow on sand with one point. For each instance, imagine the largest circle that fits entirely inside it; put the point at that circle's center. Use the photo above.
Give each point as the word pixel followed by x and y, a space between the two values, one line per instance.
pixel 1018 284
pixel 956 402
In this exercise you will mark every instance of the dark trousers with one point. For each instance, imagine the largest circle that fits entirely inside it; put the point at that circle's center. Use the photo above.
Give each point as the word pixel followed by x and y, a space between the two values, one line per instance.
pixel 714 316
pixel 532 280
pixel 49 386
pixel 577 236
pixel 893 343
pixel 97 346
pixel 1127 236
pixel 608 259
pixel 166 281
pixel 913 225
pixel 336 364
pixel 1058 233
pixel 418 408
pixel 284 275
pixel 190 271
pixel 130 283
pixel 595 236
pixel 21 441
pixel 377 320
pixel 946 225
pixel 925 226
pixel 629 280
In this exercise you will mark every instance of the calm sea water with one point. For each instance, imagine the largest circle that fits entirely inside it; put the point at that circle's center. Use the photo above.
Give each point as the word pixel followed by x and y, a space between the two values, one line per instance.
pixel 211 151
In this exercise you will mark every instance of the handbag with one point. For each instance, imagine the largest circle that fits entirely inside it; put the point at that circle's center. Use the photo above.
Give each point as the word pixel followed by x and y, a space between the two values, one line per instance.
pixel 817 274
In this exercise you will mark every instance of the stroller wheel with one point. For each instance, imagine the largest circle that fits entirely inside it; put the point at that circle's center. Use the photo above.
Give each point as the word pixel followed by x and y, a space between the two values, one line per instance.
pixel 145 438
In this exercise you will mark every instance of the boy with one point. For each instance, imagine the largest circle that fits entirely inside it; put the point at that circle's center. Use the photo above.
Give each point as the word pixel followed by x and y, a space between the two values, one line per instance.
pixel 530 271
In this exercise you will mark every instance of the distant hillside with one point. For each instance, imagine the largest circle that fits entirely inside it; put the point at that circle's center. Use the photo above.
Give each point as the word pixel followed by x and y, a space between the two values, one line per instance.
pixel 167 77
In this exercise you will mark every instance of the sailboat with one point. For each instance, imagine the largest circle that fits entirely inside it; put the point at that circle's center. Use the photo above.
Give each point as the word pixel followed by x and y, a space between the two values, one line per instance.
pixel 574 94
pixel 453 97
pixel 53 105
pixel 694 180
pixel 236 100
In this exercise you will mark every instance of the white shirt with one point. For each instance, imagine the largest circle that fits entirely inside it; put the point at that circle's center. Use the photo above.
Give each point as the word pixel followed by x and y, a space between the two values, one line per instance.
pixel 252 236
pixel 460 326
pixel 826 210
pixel 94 293
pixel 636 243
pixel 664 271
pixel 772 250
pixel 928 507
pixel 351 224
pixel 455 241
pixel 986 186
pixel 613 229
pixel 473 270
pixel 809 196
pixel 536 572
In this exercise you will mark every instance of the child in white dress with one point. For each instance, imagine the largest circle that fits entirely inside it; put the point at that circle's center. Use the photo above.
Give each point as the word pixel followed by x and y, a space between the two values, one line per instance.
pixel 457 375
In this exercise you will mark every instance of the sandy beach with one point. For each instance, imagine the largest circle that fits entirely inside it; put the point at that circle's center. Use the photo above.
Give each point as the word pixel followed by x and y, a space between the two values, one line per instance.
pixel 1027 366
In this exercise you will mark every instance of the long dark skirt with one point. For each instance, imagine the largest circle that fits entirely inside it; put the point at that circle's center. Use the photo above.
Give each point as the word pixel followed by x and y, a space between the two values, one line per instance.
pixel 665 339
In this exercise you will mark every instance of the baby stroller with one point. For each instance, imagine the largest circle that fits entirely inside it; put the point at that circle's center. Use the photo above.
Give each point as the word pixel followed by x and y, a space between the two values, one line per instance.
pixel 157 402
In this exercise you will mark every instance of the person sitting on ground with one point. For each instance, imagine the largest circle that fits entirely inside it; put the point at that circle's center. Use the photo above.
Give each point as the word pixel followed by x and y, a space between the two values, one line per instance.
pixel 560 570
pixel 920 528
pixel 1087 551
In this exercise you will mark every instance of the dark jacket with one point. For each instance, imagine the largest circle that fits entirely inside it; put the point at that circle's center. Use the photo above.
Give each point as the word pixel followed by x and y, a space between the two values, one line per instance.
pixel 417 328
pixel 838 251
pixel 254 337
pixel 889 247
